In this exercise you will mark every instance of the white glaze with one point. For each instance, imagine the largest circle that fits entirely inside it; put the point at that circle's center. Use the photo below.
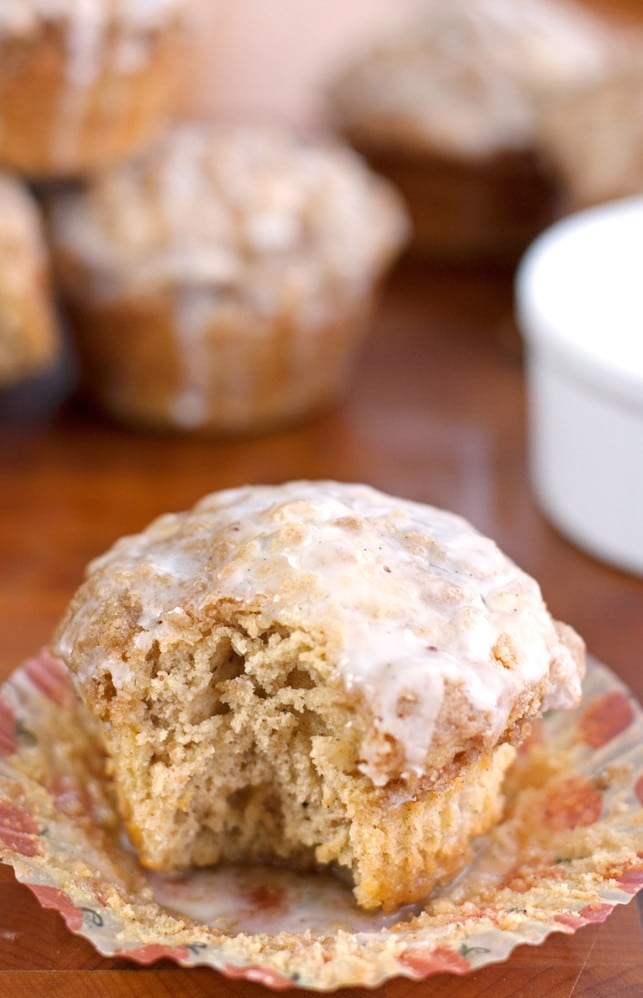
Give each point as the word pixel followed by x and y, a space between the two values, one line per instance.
pixel 406 597
pixel 86 45
pixel 469 77
pixel 193 312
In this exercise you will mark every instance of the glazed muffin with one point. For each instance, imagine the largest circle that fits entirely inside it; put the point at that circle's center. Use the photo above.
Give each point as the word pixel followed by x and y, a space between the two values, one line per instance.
pixel 29 340
pixel 593 139
pixel 223 280
pixel 83 84
pixel 316 673
pixel 447 109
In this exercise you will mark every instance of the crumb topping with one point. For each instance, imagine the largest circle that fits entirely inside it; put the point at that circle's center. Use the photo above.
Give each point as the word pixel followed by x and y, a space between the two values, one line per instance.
pixel 245 212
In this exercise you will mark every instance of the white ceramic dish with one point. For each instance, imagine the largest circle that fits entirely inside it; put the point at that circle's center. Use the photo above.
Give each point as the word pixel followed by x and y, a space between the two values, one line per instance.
pixel 579 299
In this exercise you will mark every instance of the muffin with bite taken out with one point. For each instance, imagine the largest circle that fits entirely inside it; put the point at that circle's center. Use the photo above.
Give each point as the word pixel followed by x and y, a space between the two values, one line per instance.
pixel 314 673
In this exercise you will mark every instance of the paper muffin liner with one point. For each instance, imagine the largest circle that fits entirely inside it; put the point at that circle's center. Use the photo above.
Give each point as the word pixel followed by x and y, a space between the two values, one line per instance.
pixel 568 849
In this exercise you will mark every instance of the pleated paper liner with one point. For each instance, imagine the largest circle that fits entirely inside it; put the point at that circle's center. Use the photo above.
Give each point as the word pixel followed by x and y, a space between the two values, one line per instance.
pixel 569 848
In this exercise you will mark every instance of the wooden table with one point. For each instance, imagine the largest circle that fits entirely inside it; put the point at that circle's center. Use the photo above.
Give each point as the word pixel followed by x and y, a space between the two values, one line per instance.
pixel 436 413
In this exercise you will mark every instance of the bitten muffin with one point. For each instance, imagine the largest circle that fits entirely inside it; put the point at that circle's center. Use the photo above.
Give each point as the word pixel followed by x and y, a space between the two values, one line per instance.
pixel 223 280
pixel 593 138
pixel 447 109
pixel 85 82
pixel 29 340
pixel 315 673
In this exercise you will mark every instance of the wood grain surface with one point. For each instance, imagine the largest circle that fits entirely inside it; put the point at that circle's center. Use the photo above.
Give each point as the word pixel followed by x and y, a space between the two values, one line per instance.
pixel 436 413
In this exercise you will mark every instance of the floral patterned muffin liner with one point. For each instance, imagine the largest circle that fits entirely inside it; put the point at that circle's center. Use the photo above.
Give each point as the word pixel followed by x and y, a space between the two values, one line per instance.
pixel 568 849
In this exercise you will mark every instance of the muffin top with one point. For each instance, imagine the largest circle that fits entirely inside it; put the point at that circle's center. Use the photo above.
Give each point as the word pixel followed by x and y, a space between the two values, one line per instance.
pixel 24 17
pixel 466 79
pixel 443 642
pixel 251 213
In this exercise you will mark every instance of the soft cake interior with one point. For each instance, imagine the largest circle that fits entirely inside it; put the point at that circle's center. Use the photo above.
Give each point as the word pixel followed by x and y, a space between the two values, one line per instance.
pixel 240 746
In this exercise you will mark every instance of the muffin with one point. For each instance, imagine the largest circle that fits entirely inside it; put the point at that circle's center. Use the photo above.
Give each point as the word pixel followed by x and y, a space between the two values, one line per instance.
pixel 29 339
pixel 318 674
pixel 83 84
pixel 593 139
pixel 447 109
pixel 223 280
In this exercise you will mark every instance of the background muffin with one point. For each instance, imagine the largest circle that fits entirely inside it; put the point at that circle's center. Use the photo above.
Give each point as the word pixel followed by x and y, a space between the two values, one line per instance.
pixel 83 83
pixel 448 107
pixel 593 138
pixel 222 280
pixel 314 672
pixel 29 338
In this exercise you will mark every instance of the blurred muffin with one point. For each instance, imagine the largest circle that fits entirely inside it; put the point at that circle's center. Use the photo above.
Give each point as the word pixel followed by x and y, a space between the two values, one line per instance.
pixel 316 673
pixel 593 138
pixel 84 82
pixel 447 109
pixel 222 281
pixel 28 331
